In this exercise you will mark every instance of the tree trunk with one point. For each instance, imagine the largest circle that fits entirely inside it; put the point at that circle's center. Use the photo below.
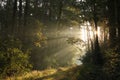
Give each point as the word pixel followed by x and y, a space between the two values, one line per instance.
pixel 60 9
pixel 14 28
pixel 97 56
pixel 20 11
pixel 35 8
pixel 97 53
pixel 20 27
pixel 26 12
pixel 118 22
pixel 112 23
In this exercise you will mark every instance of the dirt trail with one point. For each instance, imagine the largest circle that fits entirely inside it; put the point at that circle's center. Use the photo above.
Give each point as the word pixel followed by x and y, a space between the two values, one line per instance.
pixel 62 73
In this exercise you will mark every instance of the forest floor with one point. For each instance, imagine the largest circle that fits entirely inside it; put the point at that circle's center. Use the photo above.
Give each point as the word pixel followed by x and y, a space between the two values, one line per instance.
pixel 62 73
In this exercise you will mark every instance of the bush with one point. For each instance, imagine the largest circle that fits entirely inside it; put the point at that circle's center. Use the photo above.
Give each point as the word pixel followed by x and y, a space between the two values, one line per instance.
pixel 90 72
pixel 110 70
pixel 112 64
pixel 13 60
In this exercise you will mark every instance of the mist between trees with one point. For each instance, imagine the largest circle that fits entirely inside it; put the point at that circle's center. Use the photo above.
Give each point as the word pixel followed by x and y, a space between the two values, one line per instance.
pixel 34 32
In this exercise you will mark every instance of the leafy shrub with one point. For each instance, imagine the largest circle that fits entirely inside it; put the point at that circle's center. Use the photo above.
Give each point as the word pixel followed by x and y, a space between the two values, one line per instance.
pixel 112 64
pixel 34 35
pixel 109 71
pixel 13 60
pixel 90 72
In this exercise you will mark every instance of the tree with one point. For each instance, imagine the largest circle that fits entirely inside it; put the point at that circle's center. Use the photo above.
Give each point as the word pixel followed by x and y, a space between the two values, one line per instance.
pixel 92 11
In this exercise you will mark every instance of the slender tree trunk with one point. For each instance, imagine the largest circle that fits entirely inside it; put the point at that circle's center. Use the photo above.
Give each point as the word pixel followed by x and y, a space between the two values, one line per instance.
pixel 35 8
pixel 112 23
pixel 59 14
pixel 118 21
pixel 20 11
pixel 26 12
pixel 97 53
pixel 88 38
pixel 26 16
pixel 7 27
pixel 14 28
pixel 50 10
pixel 60 9
pixel 20 27
pixel 14 9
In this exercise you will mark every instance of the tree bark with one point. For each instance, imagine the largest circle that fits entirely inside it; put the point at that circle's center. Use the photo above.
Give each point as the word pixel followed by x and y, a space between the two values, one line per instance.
pixel 26 12
pixel 97 56
pixel 112 23
pixel 60 9
pixel 14 17
pixel 20 27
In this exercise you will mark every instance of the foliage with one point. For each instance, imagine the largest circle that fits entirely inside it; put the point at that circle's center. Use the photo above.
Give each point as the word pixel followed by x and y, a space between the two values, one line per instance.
pixel 109 71
pixel 91 9
pixel 34 36
pixel 76 42
pixel 112 64
pixel 73 40
pixel 21 23
pixel 13 60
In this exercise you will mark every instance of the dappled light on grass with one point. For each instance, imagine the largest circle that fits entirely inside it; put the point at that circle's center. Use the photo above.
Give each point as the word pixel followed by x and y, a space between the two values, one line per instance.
pixel 48 74
pixel 34 75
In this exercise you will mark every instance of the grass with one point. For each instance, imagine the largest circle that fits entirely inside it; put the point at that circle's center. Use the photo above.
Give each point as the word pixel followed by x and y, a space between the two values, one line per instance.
pixel 62 73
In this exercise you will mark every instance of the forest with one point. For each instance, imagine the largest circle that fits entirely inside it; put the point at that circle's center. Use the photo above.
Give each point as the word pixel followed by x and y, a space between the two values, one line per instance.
pixel 59 39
